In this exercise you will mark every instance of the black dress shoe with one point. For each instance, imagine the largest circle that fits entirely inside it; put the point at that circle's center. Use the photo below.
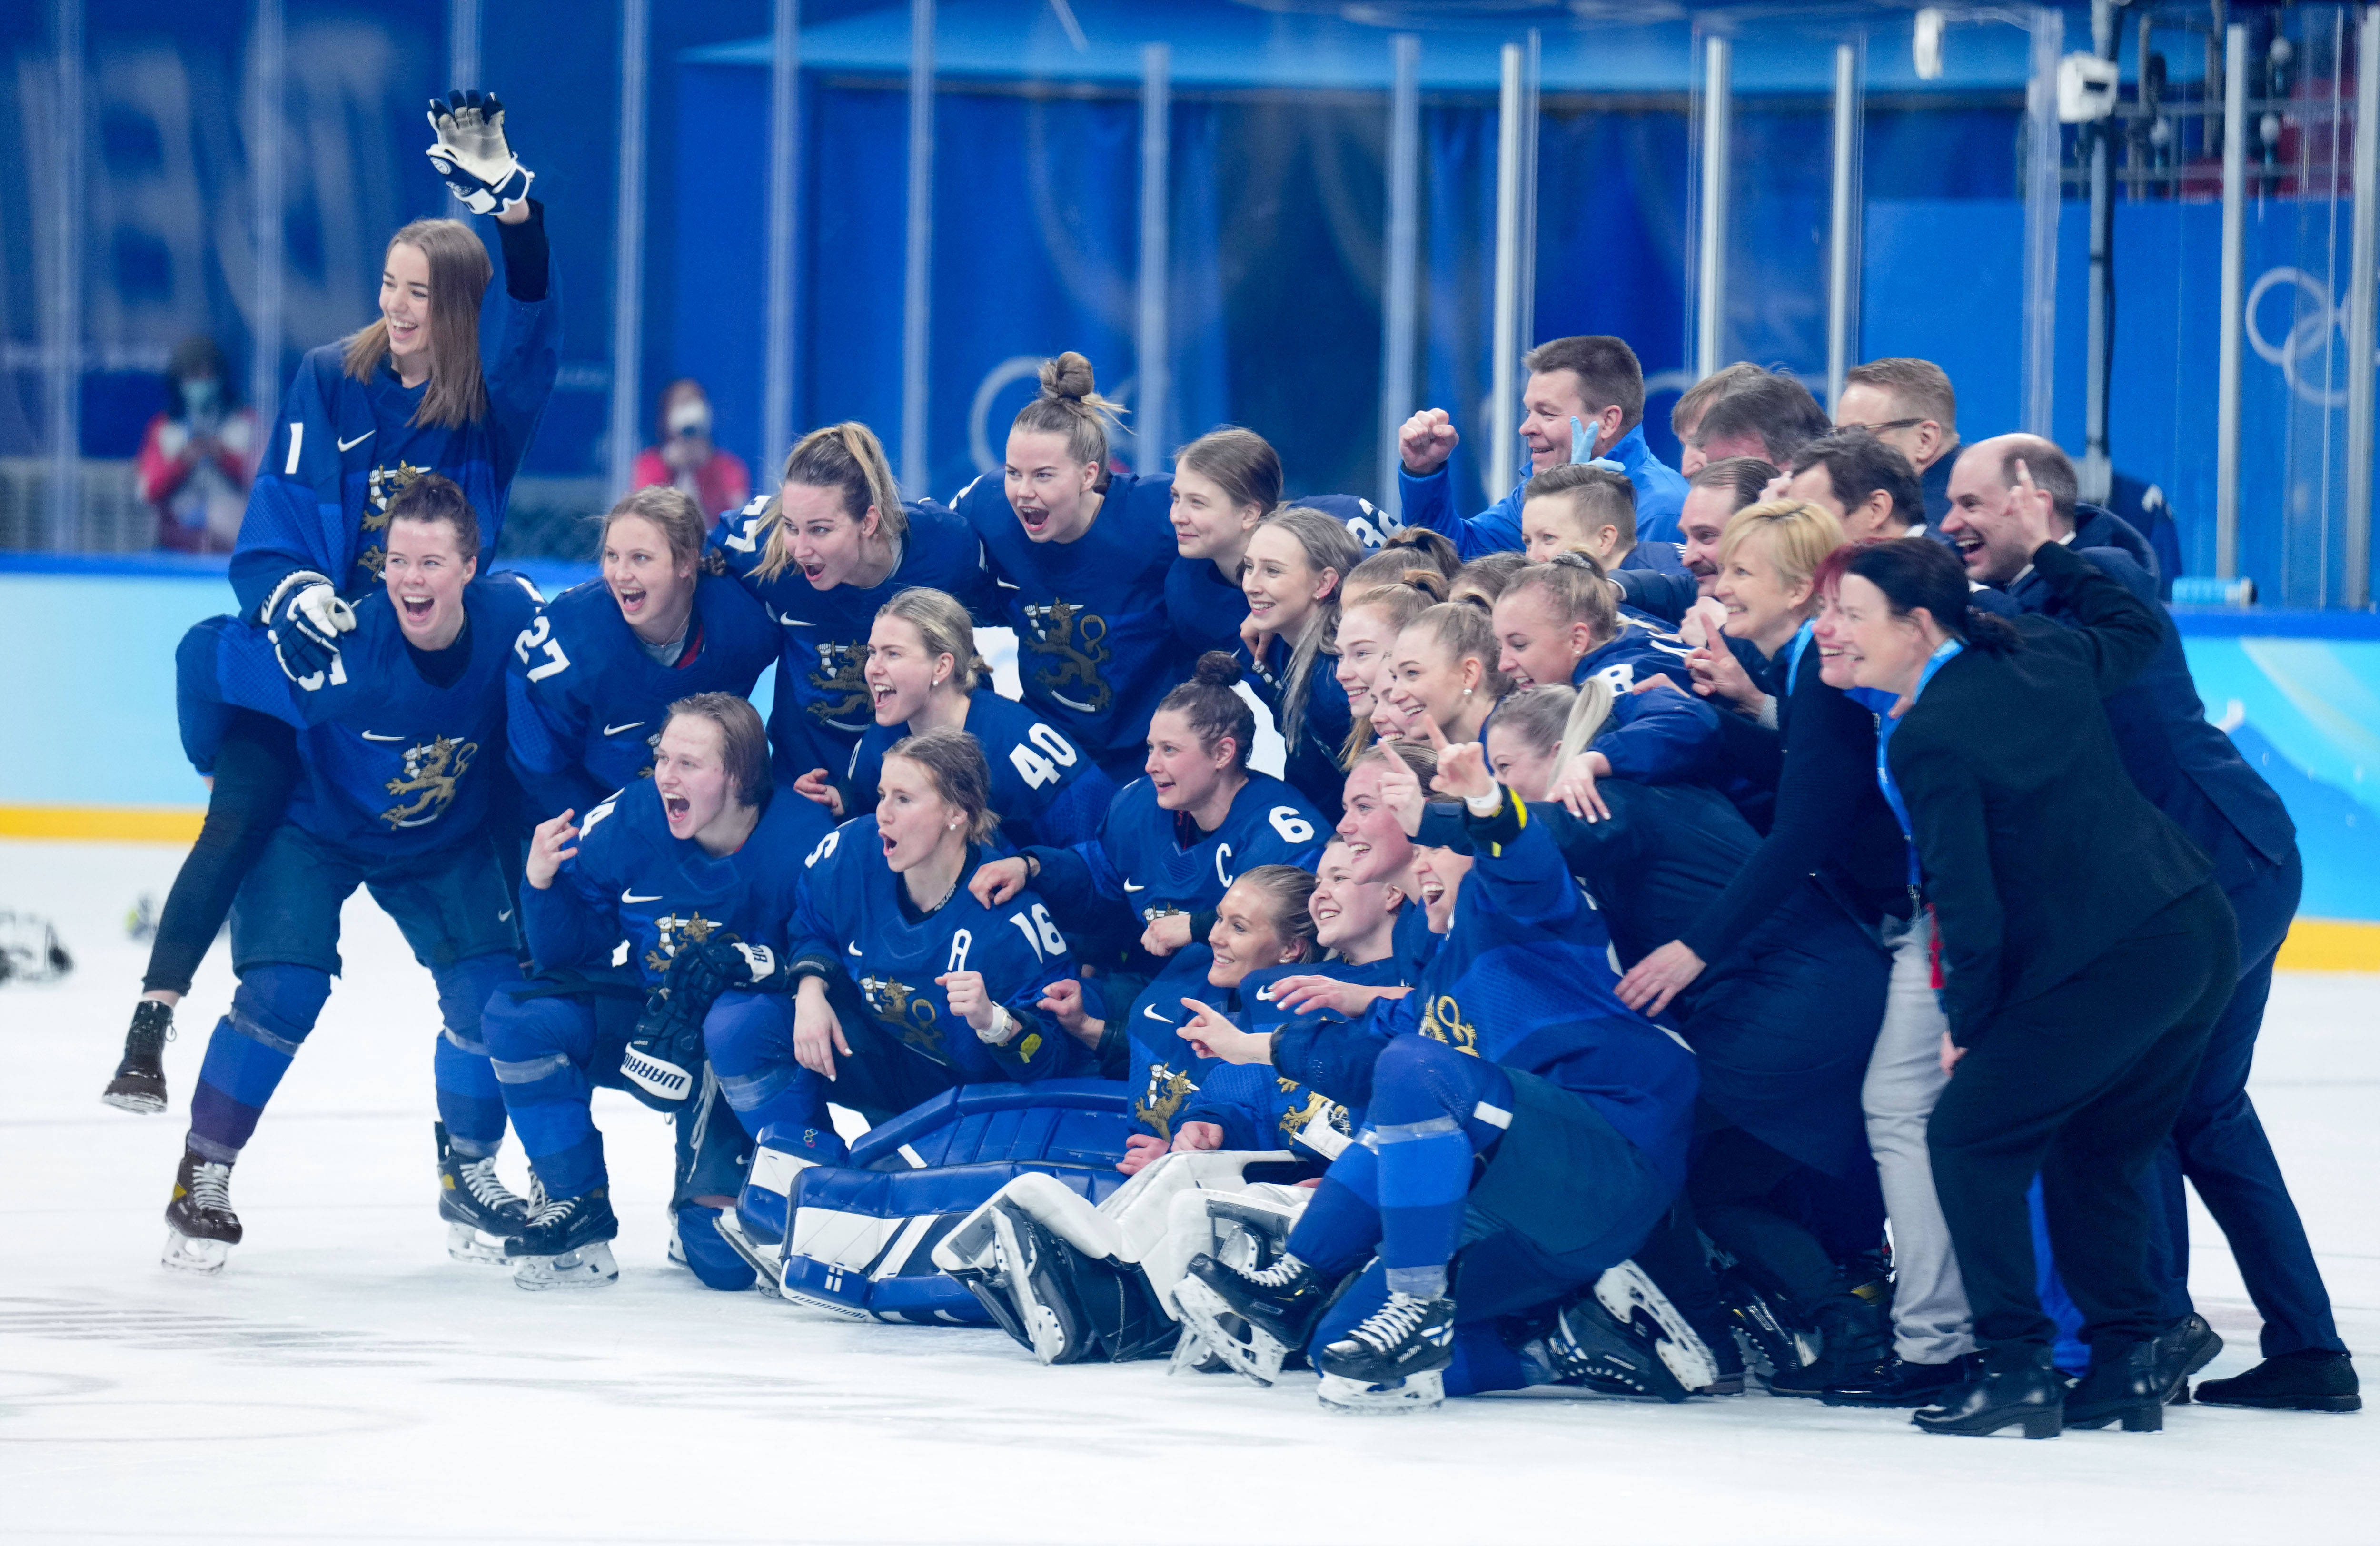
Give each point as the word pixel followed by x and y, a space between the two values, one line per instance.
pixel 2184 1349
pixel 2029 1394
pixel 1856 1336
pixel 2126 1383
pixel 2311 1380
pixel 1895 1381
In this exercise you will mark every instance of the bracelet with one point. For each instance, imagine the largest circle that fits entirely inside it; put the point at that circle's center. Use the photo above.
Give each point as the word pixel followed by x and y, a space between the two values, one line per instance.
pixel 1032 869
pixel 1004 1029
pixel 1484 805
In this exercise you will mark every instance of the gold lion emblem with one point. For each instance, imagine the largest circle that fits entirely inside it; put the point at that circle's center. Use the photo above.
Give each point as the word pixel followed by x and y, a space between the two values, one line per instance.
pixel 910 1016
pixel 1443 1021
pixel 431 772
pixel 1163 1099
pixel 1317 1111
pixel 839 671
pixel 1056 631
pixel 673 931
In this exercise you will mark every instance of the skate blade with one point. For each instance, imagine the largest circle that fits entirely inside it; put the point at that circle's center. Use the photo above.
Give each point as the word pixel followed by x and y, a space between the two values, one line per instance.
pixel 1256 1353
pixel 1192 1355
pixel 1012 1261
pixel 1624 1290
pixel 139 1101
pixel 188 1253
pixel 1416 1393
pixel 587 1267
pixel 759 1258
pixel 475 1247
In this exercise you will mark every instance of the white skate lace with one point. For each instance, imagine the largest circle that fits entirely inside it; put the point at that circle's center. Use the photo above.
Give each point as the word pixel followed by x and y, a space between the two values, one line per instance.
pixel 210 1187
pixel 1392 1323
pixel 558 1210
pixel 487 1189
pixel 1281 1274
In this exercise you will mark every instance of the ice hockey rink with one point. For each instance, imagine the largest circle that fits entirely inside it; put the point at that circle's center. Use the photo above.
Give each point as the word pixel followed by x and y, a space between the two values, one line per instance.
pixel 344 1382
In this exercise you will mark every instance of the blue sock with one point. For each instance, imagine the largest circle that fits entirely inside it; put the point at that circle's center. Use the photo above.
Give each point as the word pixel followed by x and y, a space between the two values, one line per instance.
pixel 470 1100
pixel 1433 1111
pixel 273 1012
pixel 539 1050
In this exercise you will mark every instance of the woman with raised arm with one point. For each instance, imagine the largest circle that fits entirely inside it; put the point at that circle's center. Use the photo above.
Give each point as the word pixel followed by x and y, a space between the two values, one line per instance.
pixel 414 393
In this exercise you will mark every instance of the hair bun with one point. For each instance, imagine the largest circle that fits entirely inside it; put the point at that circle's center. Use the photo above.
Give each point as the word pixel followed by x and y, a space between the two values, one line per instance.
pixel 1429 583
pixel 1068 376
pixel 1217 668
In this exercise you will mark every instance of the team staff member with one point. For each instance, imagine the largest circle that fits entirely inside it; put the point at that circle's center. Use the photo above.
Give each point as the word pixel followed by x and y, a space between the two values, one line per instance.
pixel 2086 953
pixel 2190 770
pixel 411 394
pixel 1593 382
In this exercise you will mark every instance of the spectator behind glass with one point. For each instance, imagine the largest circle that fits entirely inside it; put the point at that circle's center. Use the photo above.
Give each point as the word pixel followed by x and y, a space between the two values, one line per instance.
pixel 689 459
pixel 198 455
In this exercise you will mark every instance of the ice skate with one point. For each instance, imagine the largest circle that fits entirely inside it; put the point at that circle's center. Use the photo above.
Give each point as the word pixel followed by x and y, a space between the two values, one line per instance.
pixel 1392 1361
pixel 140 1081
pixel 1636 1300
pixel 567 1245
pixel 1773 1345
pixel 480 1212
pixel 202 1228
pixel 1252 1319
pixel 1033 1271
pixel 1590 1346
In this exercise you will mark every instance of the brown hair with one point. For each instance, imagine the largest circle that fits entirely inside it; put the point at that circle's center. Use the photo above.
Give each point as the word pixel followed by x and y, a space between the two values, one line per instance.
pixel 743 740
pixel 1607 371
pixel 1800 535
pixel 1918 387
pixel 1597 496
pixel 1329 546
pixel 944 626
pixel 1242 462
pixel 1561 720
pixel 435 499
pixel 1417 756
pixel 1575 586
pixel 1745 477
pixel 1287 888
pixel 1696 400
pixel 1387 582
pixel 674 512
pixel 954 760
pixel 1484 579
pixel 2053 472
pixel 849 458
pixel 1070 406
pixel 1212 709
pixel 459 272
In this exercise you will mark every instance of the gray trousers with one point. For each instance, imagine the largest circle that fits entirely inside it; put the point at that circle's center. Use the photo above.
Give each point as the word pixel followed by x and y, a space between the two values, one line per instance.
pixel 1930 1319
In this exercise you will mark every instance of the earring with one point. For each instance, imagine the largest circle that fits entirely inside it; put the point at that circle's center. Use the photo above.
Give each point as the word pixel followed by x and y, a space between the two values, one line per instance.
pixel 1466 692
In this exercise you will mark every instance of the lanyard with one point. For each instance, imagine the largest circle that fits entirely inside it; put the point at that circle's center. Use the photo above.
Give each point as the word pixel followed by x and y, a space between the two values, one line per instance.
pixel 1794 656
pixel 1884 725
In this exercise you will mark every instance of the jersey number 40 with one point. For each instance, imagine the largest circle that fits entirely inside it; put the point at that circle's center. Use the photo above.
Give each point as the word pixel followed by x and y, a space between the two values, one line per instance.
pixel 1038 770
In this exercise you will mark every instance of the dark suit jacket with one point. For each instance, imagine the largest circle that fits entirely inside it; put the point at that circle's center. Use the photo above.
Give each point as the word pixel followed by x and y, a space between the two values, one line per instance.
pixel 2187 767
pixel 2039 854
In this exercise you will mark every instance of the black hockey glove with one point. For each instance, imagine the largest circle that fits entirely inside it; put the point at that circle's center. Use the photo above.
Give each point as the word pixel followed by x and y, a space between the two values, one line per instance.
pixel 665 1057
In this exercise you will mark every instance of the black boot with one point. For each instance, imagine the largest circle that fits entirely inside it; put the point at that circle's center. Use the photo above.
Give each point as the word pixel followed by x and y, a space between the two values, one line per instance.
pixel 1856 1336
pixel 1283 1300
pixel 2125 1383
pixel 201 1226
pixel 2184 1349
pixel 1895 1381
pixel 140 1081
pixel 2016 1386
pixel 2311 1380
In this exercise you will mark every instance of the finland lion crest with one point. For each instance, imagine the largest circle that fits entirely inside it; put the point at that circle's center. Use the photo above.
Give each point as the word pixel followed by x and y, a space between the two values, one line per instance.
pixel 1070 643
pixel 384 484
pixel 431 771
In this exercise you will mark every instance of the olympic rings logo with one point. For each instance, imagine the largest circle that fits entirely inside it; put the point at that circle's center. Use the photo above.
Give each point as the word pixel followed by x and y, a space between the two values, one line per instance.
pixel 2309 335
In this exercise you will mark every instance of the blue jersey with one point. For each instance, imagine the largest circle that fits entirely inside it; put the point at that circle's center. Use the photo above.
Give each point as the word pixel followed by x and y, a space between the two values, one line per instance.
pixel 631 881
pixel 1141 858
pixel 1253 1103
pixel 1166 1074
pixel 1206 607
pixel 852 920
pixel 1661 496
pixel 1524 980
pixel 586 703
pixel 1641 652
pixel 1311 766
pixel 341 448
pixel 822 703
pixel 1094 649
pixel 393 764
pixel 1043 788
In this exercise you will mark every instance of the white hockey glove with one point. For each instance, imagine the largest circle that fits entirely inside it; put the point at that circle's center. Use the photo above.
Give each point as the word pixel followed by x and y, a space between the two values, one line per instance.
pixel 472 154
pixel 304 618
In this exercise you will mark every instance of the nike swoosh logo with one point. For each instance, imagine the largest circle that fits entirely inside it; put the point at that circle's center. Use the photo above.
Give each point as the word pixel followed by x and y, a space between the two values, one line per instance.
pixel 505 915
pixel 1150 1011
pixel 616 729
pixel 370 737
pixel 347 446
pixel 1265 993
pixel 797 623
pixel 853 948
pixel 1129 886
pixel 630 896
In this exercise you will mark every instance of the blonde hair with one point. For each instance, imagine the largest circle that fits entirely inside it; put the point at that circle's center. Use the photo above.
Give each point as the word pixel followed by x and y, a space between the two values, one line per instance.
pixel 459 272
pixel 1069 405
pixel 945 628
pixel 1800 536
pixel 1463 632
pixel 954 760
pixel 673 512
pixel 1385 583
pixel 1561 720
pixel 1330 548
pixel 849 458
pixel 1575 586
pixel 1241 463
pixel 1287 889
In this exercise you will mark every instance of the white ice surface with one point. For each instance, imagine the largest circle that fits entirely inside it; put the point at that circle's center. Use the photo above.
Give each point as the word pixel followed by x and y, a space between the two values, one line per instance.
pixel 343 1381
